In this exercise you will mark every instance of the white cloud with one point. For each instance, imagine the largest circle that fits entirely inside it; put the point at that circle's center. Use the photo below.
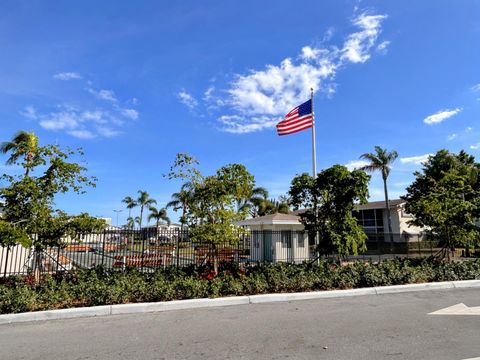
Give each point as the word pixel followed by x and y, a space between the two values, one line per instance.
pixel 475 88
pixel 187 99
pixel 207 95
pixel 236 124
pixel 452 137
pixel 103 94
pixel 260 97
pixel 440 116
pixel 129 113
pixel 356 164
pixel 60 120
pixel 29 112
pixel 382 47
pixel 104 118
pixel 83 124
pixel 356 48
pixel 475 147
pixel 82 134
pixel 417 160
pixel 108 132
pixel 65 76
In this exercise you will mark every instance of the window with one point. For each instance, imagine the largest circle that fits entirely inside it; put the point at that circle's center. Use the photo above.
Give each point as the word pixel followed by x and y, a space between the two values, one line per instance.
pixel 286 237
pixel 301 240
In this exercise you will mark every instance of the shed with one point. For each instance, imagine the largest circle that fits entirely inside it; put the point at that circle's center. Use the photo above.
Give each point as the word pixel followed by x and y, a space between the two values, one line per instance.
pixel 277 237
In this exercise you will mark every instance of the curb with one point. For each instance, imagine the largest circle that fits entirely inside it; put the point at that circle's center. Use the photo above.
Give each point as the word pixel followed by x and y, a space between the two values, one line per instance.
pixel 107 310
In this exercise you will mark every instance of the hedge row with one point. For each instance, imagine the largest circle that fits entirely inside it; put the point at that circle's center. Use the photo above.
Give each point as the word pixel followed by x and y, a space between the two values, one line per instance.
pixel 102 287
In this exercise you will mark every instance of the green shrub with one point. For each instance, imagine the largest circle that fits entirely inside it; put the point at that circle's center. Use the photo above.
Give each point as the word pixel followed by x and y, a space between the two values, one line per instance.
pixel 101 286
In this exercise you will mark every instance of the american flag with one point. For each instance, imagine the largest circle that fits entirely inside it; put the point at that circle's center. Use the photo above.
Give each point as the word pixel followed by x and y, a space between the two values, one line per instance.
pixel 300 118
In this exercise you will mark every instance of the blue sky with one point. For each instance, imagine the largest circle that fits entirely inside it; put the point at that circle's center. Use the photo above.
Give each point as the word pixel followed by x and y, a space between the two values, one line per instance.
pixel 133 83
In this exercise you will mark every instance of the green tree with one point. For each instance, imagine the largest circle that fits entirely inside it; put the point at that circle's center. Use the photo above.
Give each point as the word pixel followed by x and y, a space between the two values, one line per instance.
pixel 381 160
pixel 181 200
pixel 214 207
pixel 158 215
pixel 445 198
pixel 130 203
pixel 328 202
pixel 130 223
pixel 23 145
pixel 29 199
pixel 85 224
pixel 144 200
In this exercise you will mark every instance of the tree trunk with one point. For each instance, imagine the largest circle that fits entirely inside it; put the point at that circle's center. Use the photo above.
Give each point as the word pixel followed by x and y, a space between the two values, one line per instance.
pixel 215 259
pixel 389 216
pixel 37 269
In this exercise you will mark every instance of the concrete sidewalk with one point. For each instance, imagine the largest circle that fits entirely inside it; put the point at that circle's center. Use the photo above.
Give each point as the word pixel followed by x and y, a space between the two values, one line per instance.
pixel 107 310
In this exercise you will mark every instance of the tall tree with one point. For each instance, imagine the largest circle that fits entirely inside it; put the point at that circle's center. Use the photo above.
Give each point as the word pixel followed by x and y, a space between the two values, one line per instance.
pixel 329 201
pixel 130 223
pixel 130 204
pixel 181 200
pixel 144 200
pixel 22 145
pixel 256 203
pixel 445 198
pixel 215 207
pixel 29 199
pixel 381 160
pixel 158 215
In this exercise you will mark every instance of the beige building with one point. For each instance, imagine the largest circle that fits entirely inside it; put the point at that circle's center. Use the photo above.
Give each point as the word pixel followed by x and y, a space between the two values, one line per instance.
pixel 280 237
pixel 277 237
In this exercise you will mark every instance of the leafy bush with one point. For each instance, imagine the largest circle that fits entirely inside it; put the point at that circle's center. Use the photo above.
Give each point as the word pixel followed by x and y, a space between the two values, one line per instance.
pixel 101 286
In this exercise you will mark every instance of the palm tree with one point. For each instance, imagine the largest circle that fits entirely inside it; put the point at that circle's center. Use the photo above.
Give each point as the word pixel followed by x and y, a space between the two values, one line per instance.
pixel 23 144
pixel 255 203
pixel 138 221
pixel 157 215
pixel 130 223
pixel 381 160
pixel 182 200
pixel 143 201
pixel 130 203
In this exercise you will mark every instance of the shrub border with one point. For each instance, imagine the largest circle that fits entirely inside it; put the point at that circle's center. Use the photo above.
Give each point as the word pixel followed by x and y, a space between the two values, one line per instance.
pixel 108 310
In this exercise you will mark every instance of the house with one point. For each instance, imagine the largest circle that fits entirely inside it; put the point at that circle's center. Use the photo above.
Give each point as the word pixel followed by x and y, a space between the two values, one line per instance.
pixel 280 237
pixel 373 217
pixel 277 237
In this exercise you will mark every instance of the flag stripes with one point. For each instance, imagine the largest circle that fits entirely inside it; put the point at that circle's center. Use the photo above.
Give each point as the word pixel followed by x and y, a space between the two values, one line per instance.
pixel 298 119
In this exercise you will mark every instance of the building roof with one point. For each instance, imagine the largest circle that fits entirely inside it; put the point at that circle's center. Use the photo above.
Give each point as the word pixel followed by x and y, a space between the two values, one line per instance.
pixel 277 218
pixel 368 206
pixel 379 204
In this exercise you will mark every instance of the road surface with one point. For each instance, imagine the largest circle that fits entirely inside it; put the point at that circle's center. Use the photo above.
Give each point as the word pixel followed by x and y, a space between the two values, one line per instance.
pixel 393 326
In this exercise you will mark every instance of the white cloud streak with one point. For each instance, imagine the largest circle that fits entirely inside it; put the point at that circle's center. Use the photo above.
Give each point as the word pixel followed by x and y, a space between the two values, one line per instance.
pixel 356 164
pixel 260 98
pixel 382 48
pixel 417 160
pixel 475 146
pixel 441 116
pixel 103 94
pixel 187 99
pixel 356 48
pixel 65 76
pixel 103 118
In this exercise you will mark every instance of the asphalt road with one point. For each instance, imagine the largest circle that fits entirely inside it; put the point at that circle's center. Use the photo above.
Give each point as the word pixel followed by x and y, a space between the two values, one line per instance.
pixel 394 326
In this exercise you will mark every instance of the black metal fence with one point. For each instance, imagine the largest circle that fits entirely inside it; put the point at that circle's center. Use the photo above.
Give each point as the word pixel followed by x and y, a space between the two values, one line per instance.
pixel 150 249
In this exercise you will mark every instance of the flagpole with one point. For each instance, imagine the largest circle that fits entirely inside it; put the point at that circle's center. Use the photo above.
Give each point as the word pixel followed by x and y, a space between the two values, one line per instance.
pixel 314 150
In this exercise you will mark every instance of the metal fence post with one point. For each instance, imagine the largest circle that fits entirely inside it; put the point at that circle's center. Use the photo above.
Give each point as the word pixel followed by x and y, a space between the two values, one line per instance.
pixel 6 262
pixel 103 245
pixel 177 248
